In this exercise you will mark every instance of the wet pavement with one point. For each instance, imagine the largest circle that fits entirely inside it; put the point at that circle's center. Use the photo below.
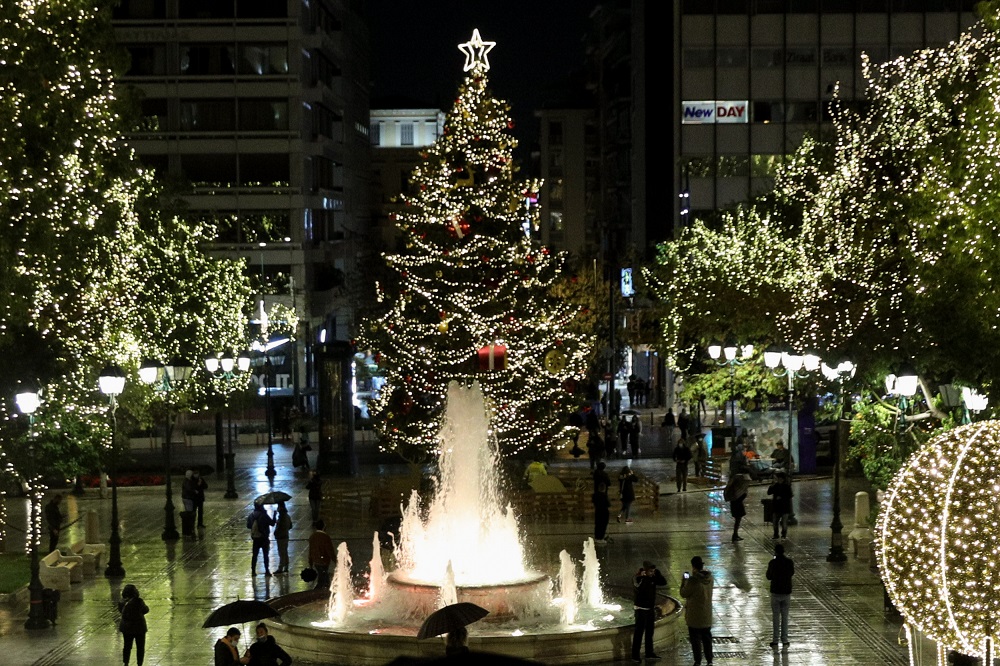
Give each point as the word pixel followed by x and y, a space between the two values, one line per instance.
pixel 837 616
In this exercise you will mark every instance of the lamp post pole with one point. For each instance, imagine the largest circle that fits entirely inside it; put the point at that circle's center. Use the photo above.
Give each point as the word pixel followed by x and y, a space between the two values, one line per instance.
pixel 843 371
pixel 730 355
pixel 229 366
pixel 270 472
pixel 112 383
pixel 27 403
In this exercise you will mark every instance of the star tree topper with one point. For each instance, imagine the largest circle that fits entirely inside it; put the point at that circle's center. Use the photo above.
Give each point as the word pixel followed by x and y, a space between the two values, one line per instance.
pixel 475 51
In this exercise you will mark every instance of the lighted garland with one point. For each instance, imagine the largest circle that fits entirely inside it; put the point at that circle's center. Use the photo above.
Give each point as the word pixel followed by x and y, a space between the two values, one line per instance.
pixel 471 277
pixel 938 541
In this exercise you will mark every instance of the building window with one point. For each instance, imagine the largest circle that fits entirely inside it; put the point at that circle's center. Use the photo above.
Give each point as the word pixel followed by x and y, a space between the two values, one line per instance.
pixel 729 57
pixel 212 169
pixel 556 191
pixel 154 114
pixel 263 59
pixel 555 163
pixel 207 115
pixel 375 132
pixel 406 134
pixel 764 58
pixel 140 9
pixel 699 58
pixel 800 56
pixel 147 60
pixel 838 56
pixel 263 115
pixel 555 133
pixel 264 169
pixel 556 222
pixel 207 59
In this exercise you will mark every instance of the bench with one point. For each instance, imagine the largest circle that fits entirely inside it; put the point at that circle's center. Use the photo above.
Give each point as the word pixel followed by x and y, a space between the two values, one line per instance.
pixel 58 571
pixel 92 553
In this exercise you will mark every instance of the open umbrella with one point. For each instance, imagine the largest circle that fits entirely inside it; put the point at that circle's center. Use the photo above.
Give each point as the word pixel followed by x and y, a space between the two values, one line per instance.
pixel 451 617
pixel 273 497
pixel 239 612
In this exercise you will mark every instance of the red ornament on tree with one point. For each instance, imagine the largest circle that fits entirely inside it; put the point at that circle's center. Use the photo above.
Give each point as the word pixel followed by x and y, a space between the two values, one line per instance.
pixel 492 357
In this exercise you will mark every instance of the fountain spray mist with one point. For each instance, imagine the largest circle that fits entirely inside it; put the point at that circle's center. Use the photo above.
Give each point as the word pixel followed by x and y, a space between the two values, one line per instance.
pixel 567 589
pixel 342 590
pixel 466 524
pixel 592 595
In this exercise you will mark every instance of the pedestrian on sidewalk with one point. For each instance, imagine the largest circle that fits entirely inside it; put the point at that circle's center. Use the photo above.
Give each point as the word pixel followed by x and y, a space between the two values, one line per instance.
pixel 227 649
pixel 595 448
pixel 645 582
pixel 259 523
pixel 626 489
pixel 780 571
pixel 265 651
pixel 631 387
pixel 315 488
pixel 200 486
pixel 133 623
pixel 683 423
pixel 282 527
pixel 697 588
pixel 602 503
pixel 736 494
pixel 187 490
pixel 781 504
pixel 682 456
pixel 53 521
pixel 700 455
pixel 321 555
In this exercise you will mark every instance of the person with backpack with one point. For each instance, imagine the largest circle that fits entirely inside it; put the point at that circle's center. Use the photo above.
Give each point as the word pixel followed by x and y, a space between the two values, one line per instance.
pixel 259 523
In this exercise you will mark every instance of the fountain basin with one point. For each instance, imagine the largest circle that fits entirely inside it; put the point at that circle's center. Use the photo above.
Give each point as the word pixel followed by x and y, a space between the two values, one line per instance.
pixel 551 645
pixel 514 599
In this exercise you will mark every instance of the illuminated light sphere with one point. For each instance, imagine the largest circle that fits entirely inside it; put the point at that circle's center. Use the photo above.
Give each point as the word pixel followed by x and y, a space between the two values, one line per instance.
pixel 938 540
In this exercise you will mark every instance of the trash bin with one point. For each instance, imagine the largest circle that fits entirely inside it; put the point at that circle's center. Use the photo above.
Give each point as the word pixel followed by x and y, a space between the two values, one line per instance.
pixel 768 511
pixel 50 604
pixel 187 523
pixel 722 439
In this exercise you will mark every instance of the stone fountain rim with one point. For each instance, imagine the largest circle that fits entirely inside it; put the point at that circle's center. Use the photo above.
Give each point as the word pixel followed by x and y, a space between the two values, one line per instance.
pixel 534 577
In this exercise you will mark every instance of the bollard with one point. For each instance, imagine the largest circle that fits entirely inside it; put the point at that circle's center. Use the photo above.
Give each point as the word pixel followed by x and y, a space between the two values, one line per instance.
pixel 93 528
pixel 861 536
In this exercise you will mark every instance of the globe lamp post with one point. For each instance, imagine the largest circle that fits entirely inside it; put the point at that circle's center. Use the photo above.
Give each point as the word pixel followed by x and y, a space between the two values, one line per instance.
pixel 229 367
pixel 27 403
pixel 112 383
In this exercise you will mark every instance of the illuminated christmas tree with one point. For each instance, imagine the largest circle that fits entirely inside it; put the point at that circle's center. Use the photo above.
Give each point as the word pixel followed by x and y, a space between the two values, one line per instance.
pixel 472 298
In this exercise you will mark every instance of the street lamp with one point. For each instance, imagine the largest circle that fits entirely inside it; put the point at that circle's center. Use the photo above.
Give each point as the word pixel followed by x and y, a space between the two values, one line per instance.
pixel 166 378
pixel 842 372
pixel 27 402
pixel 112 383
pixel 229 367
pixel 731 355
pixel 973 401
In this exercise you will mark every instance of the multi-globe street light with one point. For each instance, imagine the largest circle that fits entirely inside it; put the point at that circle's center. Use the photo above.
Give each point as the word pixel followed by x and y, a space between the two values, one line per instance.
pixel 165 379
pixel 731 355
pixel 112 383
pixel 28 402
pixel 229 367
pixel 843 371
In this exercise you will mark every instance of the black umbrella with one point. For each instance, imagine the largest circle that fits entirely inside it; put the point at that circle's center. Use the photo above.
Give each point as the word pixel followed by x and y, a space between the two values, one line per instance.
pixel 448 619
pixel 239 612
pixel 273 497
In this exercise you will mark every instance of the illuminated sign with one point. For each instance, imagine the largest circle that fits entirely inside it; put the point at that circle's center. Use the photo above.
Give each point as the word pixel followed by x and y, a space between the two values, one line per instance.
pixel 628 287
pixel 714 112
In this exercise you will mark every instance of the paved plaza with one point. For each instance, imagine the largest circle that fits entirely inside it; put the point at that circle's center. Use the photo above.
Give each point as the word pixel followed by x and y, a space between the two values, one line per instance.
pixel 837 616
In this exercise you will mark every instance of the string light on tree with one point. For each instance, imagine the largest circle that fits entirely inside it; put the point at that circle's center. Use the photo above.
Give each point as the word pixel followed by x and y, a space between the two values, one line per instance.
pixel 470 282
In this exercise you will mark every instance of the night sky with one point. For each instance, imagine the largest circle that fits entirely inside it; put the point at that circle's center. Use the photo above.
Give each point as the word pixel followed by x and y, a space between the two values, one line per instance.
pixel 415 56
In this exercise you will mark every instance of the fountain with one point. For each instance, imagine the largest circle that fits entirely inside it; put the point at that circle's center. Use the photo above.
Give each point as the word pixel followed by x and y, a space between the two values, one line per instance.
pixel 463 544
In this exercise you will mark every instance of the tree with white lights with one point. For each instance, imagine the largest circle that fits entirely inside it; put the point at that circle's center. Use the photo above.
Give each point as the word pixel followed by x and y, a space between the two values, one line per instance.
pixel 472 301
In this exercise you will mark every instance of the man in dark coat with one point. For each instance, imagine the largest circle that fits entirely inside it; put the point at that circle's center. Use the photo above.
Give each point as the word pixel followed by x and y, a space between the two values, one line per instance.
pixel 321 554
pixel 227 649
pixel 200 486
pixel 781 504
pixel 53 520
pixel 259 523
pixel 780 571
pixel 133 624
pixel 683 423
pixel 682 456
pixel 265 651
pixel 602 503
pixel 646 580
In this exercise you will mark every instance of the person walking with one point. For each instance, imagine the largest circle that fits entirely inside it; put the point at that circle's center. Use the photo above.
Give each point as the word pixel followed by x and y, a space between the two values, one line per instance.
pixel 227 649
pixel 602 503
pixel 626 490
pixel 630 387
pixel 668 424
pixel 200 486
pixel 53 520
pixel 781 504
pixel 700 456
pixel 282 527
pixel 682 456
pixel 697 588
pixel 736 494
pixel 321 555
pixel 187 490
pixel 595 448
pixel 259 523
pixel 132 624
pixel 265 651
pixel 645 583
pixel 780 571
pixel 315 488
pixel 683 423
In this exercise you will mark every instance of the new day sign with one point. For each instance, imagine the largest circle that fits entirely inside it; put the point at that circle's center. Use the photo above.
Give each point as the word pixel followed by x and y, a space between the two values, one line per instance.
pixel 714 111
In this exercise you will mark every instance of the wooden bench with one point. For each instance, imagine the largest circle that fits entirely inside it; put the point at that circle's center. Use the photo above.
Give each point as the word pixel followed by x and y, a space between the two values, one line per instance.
pixel 59 572
pixel 92 553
